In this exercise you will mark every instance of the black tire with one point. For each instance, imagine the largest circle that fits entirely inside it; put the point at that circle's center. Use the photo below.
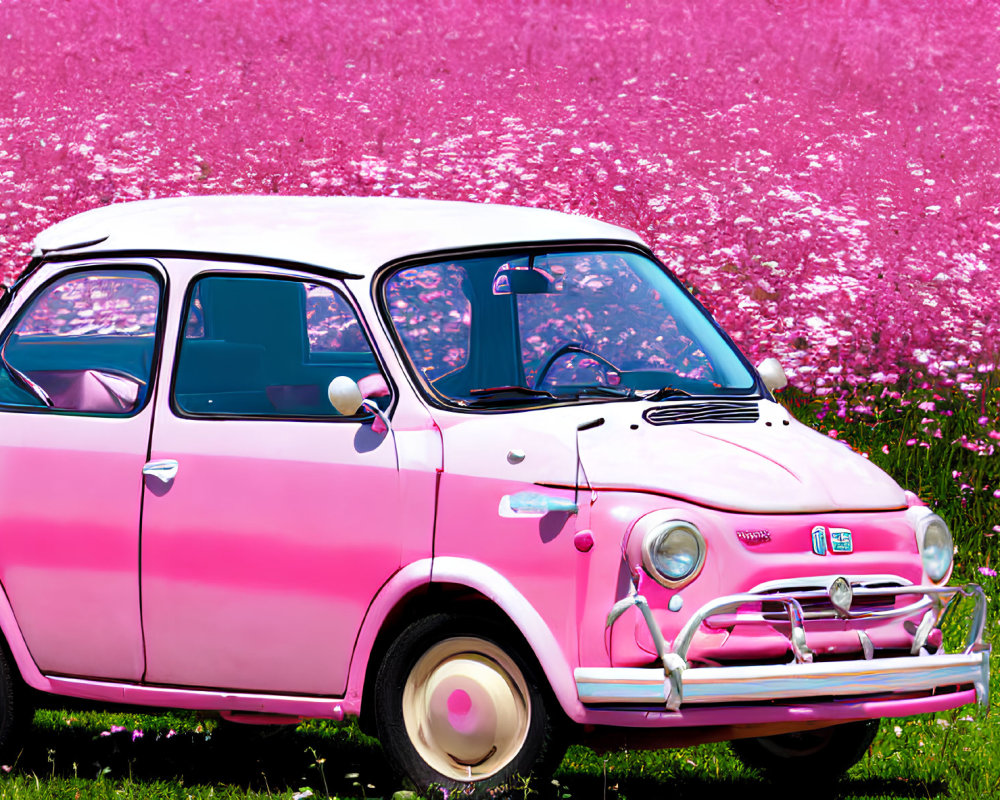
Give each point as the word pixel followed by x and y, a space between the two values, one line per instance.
pixel 444 674
pixel 16 712
pixel 821 754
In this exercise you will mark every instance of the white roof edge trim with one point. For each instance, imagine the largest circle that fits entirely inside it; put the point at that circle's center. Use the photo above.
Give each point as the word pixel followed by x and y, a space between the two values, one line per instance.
pixel 347 234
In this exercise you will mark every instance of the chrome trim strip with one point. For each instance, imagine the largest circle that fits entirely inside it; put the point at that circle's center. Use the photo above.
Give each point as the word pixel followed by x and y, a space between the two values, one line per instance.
pixel 787 681
pixel 727 620
pixel 787 585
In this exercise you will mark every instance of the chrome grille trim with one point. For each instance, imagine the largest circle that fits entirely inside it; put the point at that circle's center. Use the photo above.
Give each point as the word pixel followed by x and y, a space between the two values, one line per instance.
pixel 874 598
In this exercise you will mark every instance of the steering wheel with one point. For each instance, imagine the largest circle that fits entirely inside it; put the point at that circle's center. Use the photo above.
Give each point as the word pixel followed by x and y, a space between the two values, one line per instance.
pixel 569 347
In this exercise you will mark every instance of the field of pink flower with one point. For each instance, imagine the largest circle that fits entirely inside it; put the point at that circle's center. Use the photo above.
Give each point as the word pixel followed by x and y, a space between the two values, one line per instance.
pixel 825 175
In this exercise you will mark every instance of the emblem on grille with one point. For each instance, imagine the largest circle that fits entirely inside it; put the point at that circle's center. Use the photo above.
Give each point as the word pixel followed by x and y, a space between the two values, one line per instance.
pixel 753 537
pixel 819 540
pixel 841 540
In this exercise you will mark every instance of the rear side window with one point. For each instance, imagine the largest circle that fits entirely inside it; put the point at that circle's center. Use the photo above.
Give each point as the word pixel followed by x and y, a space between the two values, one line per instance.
pixel 85 343
pixel 267 347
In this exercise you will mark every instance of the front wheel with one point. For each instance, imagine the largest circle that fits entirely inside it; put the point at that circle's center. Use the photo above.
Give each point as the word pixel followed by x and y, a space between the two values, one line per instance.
pixel 458 707
pixel 824 753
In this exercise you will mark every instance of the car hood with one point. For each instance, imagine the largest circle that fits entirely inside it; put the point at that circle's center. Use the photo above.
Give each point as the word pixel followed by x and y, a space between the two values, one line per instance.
pixel 771 465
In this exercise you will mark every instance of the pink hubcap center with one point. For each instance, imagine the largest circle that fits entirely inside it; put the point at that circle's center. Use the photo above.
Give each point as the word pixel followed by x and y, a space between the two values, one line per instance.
pixel 461 714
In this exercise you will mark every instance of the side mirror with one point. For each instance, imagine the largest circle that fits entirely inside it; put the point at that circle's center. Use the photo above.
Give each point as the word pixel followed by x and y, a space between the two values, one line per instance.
pixel 772 374
pixel 345 395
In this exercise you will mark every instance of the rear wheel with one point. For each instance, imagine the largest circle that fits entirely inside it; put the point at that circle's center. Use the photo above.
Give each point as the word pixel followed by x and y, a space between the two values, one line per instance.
pixel 824 753
pixel 458 707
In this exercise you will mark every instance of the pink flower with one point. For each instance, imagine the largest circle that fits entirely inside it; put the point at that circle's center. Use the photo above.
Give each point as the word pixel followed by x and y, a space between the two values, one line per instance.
pixel 910 442
pixel 885 449
pixel 987 571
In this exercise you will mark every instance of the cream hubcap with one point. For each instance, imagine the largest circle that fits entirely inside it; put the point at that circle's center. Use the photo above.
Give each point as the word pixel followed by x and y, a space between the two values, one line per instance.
pixel 466 708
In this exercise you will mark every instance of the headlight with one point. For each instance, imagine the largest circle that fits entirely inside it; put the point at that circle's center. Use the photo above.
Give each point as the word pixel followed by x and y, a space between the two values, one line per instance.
pixel 936 547
pixel 673 553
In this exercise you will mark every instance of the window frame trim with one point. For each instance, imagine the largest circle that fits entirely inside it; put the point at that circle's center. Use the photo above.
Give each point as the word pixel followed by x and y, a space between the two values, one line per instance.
pixel 150 266
pixel 303 278
pixel 435 400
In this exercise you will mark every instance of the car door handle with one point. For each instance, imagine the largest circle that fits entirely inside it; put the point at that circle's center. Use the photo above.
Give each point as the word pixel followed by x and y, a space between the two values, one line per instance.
pixel 164 469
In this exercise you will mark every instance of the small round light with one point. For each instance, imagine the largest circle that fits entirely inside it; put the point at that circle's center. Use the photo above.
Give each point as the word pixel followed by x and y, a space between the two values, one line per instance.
pixel 841 595
pixel 937 548
pixel 673 553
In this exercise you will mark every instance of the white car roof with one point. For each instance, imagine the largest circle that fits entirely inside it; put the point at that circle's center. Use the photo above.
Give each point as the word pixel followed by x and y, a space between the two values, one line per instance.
pixel 351 234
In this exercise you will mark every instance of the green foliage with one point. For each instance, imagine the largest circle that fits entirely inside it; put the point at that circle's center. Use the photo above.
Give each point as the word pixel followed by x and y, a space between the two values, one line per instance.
pixel 940 441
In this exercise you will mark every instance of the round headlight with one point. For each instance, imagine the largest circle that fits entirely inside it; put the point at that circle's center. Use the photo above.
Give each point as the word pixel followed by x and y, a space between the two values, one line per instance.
pixel 936 547
pixel 673 553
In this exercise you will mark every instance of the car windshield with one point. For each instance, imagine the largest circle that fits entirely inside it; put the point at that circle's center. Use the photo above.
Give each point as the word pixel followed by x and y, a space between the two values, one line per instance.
pixel 537 327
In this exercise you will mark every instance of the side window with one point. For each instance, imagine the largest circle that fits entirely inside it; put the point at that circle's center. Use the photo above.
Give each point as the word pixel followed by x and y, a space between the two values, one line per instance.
pixel 84 344
pixel 267 347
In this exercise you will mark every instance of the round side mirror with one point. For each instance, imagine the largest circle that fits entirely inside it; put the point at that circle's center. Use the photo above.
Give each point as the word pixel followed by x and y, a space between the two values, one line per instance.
pixel 773 375
pixel 345 395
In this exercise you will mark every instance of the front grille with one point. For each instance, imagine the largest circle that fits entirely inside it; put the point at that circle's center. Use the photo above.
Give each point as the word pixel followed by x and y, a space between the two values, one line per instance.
pixel 815 601
pixel 677 413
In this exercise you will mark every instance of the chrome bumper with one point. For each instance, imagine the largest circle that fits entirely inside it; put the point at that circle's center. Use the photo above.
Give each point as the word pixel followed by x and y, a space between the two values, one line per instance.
pixel 677 685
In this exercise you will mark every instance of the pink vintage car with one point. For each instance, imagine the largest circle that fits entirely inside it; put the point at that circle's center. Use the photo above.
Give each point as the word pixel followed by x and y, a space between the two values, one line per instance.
pixel 487 477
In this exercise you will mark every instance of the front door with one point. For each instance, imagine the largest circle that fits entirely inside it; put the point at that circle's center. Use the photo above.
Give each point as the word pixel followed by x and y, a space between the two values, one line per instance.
pixel 75 415
pixel 270 522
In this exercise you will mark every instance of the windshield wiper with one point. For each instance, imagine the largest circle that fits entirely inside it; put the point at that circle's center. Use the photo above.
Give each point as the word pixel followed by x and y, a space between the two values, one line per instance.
pixel 499 395
pixel 665 392
pixel 605 391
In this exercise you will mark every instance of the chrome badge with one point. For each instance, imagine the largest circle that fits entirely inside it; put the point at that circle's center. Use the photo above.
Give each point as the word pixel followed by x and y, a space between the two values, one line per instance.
pixel 841 540
pixel 753 537
pixel 819 540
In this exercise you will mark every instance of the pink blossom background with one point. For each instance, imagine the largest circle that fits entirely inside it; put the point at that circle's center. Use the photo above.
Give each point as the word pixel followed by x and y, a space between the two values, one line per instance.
pixel 824 173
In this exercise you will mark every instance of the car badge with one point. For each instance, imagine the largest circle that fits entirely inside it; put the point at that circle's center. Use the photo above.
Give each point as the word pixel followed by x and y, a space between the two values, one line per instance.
pixel 819 540
pixel 751 538
pixel 841 540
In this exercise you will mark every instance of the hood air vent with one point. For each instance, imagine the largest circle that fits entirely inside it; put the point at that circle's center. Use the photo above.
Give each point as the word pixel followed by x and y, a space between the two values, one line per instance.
pixel 711 411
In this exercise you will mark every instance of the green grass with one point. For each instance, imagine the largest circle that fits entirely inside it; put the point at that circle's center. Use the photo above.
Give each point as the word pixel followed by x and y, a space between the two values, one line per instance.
pixel 83 754
pixel 955 754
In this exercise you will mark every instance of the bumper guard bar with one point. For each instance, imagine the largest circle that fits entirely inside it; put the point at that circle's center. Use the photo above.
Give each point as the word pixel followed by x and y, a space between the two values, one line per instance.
pixel 680 684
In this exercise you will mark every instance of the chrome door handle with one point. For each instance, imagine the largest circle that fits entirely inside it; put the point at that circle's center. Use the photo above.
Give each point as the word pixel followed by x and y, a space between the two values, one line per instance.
pixel 164 469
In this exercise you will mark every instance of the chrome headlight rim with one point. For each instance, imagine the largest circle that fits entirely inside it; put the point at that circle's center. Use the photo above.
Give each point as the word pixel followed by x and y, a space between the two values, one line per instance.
pixel 662 531
pixel 933 526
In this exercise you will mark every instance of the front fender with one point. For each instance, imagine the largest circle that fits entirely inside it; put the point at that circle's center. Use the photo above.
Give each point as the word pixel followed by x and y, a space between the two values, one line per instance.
pixel 492 585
